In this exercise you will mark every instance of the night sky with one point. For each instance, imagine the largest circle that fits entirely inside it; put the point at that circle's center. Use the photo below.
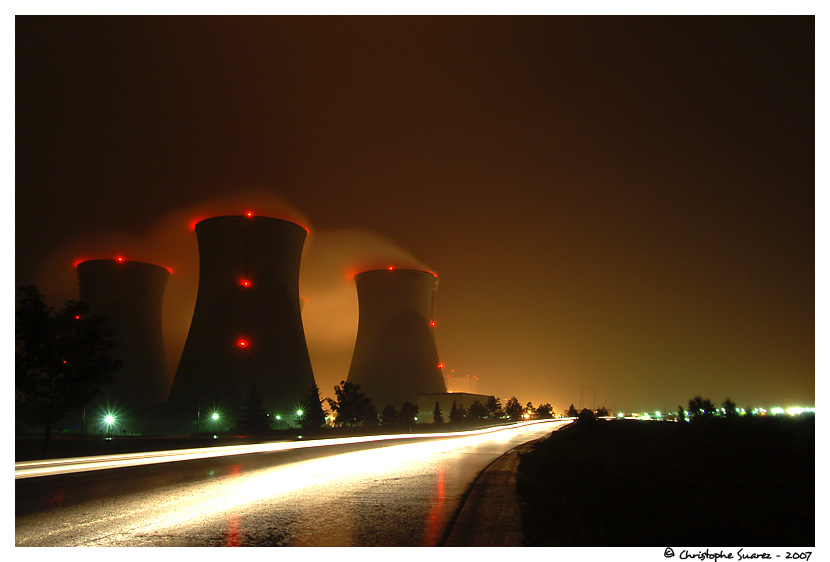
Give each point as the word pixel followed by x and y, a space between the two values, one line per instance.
pixel 616 207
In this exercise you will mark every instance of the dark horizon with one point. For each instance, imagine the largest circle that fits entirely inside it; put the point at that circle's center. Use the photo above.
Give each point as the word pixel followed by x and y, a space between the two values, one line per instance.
pixel 625 203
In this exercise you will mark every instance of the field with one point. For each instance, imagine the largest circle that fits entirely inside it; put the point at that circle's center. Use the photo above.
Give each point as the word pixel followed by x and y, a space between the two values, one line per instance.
pixel 741 482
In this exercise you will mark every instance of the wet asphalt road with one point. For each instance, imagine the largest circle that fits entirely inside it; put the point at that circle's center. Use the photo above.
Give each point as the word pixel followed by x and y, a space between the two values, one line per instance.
pixel 397 495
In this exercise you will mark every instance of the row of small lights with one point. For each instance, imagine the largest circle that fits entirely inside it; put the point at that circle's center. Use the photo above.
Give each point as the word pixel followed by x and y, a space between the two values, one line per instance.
pixel 777 411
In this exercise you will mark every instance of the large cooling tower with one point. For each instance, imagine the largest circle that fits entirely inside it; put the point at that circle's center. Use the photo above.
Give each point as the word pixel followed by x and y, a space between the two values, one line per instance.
pixel 130 294
pixel 246 328
pixel 395 357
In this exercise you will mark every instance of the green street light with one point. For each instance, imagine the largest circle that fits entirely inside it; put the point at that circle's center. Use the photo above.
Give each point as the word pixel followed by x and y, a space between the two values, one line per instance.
pixel 214 416
pixel 299 413
pixel 109 419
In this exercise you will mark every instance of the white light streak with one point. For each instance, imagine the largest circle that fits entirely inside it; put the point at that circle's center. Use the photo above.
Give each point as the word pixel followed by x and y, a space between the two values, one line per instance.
pixel 29 469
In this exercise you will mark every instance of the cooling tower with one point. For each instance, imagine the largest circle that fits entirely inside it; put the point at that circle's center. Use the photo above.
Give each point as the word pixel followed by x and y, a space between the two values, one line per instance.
pixel 395 357
pixel 130 294
pixel 246 328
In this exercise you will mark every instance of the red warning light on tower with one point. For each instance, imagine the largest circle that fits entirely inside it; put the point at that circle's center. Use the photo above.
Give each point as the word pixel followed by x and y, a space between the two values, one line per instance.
pixel 242 343
pixel 120 259
pixel 440 365
pixel 249 214
pixel 391 268
pixel 432 322
pixel 245 283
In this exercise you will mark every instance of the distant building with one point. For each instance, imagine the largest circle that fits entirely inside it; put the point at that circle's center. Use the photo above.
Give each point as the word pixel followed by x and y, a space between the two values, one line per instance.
pixel 426 403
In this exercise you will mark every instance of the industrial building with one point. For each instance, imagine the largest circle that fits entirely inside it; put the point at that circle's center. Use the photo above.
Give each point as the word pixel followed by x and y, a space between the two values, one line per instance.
pixel 130 294
pixel 395 357
pixel 247 330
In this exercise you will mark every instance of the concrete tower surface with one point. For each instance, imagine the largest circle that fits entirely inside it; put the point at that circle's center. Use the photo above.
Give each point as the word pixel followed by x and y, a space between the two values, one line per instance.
pixel 246 328
pixel 395 357
pixel 130 294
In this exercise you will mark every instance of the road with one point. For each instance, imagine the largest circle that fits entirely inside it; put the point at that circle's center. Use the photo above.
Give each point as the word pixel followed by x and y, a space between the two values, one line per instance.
pixel 377 493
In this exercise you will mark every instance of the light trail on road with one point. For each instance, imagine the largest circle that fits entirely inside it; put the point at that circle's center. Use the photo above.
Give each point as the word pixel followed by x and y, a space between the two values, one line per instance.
pixel 28 469
pixel 401 494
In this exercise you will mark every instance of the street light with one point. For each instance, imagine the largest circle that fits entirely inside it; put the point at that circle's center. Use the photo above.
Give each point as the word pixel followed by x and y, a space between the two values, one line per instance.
pixel 109 419
pixel 299 417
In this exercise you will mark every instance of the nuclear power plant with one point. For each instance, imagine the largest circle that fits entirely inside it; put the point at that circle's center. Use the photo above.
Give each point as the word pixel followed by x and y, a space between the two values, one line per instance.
pixel 395 357
pixel 129 294
pixel 246 330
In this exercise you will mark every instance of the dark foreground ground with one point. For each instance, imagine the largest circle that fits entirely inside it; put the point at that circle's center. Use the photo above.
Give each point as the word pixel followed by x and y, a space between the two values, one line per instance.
pixel 744 482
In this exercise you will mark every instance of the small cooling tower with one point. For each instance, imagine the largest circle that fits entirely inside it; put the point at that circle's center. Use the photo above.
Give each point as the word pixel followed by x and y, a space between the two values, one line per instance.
pixel 130 294
pixel 246 328
pixel 395 357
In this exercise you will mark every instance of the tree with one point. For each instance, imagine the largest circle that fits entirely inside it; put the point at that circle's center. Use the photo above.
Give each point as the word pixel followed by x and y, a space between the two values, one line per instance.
pixel 370 415
pixel 731 408
pixel 477 411
pixel 544 411
pixel 62 359
pixel 389 416
pixel 513 409
pixel 253 418
pixel 456 414
pixel 701 409
pixel 586 416
pixel 350 403
pixel 602 412
pixel 681 415
pixel 530 411
pixel 312 407
pixel 408 413
pixel 493 406
pixel 437 416
pixel 571 413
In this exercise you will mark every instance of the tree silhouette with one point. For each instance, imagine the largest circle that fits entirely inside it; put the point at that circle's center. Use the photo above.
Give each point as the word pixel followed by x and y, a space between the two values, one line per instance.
pixel 513 409
pixel 701 409
pixel 253 418
pixel 370 415
pixel 493 406
pixel 586 416
pixel 61 360
pixel 456 414
pixel 477 411
pixel 350 403
pixel 389 416
pixel 437 416
pixel 544 411
pixel 571 413
pixel 530 411
pixel 312 407
pixel 602 412
pixel 731 410
pixel 408 413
